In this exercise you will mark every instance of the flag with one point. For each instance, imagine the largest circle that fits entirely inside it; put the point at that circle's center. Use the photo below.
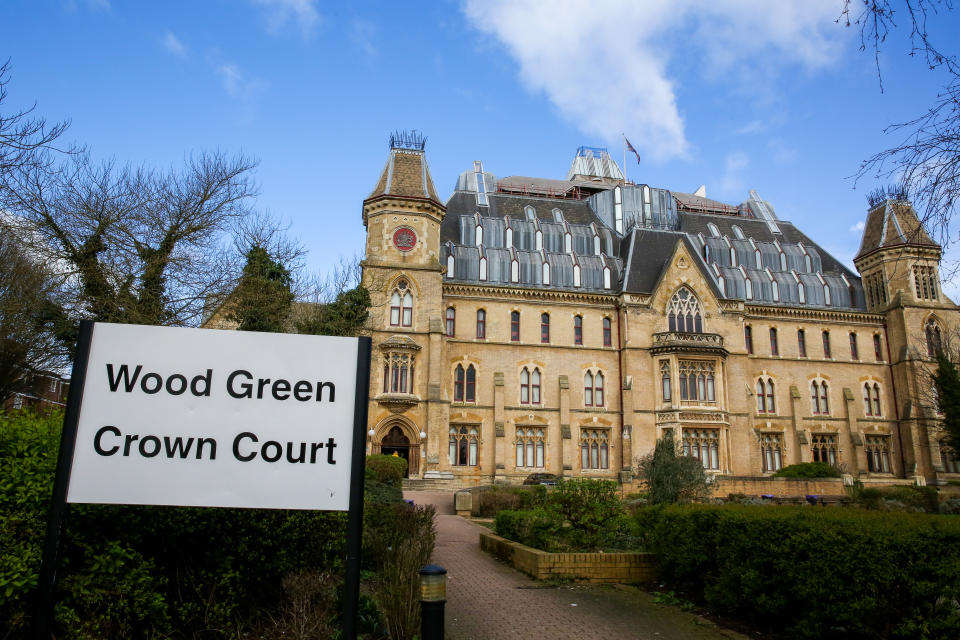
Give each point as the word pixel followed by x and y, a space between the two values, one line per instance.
pixel 631 149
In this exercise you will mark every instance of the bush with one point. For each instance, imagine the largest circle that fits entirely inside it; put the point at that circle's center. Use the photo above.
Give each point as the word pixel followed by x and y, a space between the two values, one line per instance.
pixel 538 528
pixel 898 498
pixel 387 469
pixel 592 507
pixel 670 477
pixel 488 501
pixel 853 573
pixel 808 470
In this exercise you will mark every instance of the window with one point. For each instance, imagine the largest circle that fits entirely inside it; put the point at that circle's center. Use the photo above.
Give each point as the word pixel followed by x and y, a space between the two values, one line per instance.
pixel 826 344
pixel 530 386
pixel 825 448
pixel 465 384
pixel 854 351
pixel 771 451
pixel 871 399
pixel 607 337
pixel 530 447
pixel 401 306
pixel 398 373
pixel 451 321
pixel 593 389
pixel 878 454
pixel 748 288
pixel 748 338
pixel 594 449
pixel 766 396
pixel 926 282
pixel 481 324
pixel 949 460
pixel 802 342
pixel 684 313
pixel 933 338
pixel 819 398
pixel 464 442
pixel 704 445
pixel 801 293
pixel 697 381
pixel 515 326
pixel 665 379
pixel 577 329
pixel 877 350
pixel 545 328
pixel 774 347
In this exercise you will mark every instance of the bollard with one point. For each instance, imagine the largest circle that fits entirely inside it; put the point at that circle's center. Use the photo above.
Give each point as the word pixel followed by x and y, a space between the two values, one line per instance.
pixel 433 598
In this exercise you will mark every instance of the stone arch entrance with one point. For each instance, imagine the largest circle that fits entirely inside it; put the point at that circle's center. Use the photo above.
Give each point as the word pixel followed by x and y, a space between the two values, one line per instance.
pixel 397 440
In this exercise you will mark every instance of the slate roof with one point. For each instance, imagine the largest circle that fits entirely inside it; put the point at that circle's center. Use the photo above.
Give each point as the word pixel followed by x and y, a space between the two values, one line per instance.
pixel 893 223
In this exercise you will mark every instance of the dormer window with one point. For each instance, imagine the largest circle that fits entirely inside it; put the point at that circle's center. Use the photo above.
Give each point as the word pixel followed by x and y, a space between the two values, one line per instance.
pixel 451 263
pixel 713 230
pixel 538 238
pixel 509 237
pixel 576 275
pixel 530 212
pixel 618 209
pixel 567 243
pixel 606 277
pixel 596 245
pixel 737 232
pixel 557 215
pixel 546 273
pixel 479 235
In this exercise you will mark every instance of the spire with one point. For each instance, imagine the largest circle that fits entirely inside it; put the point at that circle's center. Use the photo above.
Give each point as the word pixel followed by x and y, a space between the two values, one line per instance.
pixel 892 222
pixel 406 173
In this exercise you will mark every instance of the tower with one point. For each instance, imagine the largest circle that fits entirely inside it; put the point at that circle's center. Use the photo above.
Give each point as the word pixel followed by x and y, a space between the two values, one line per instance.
pixel 403 273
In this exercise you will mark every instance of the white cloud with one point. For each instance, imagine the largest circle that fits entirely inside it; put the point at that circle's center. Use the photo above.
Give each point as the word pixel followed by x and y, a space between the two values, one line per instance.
pixel 237 84
pixel 302 14
pixel 731 184
pixel 605 64
pixel 857 228
pixel 173 44
pixel 363 35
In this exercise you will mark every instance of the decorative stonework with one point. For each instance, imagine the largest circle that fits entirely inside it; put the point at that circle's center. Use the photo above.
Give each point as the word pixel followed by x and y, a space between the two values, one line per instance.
pixel 683 342
pixel 397 402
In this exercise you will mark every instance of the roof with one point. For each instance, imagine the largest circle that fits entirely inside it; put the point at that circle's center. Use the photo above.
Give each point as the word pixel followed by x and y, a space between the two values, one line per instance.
pixel 691 202
pixel 406 174
pixel 893 223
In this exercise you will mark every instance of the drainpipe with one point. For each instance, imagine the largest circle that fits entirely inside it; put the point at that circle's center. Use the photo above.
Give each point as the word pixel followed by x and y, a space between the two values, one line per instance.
pixel 618 307
pixel 896 401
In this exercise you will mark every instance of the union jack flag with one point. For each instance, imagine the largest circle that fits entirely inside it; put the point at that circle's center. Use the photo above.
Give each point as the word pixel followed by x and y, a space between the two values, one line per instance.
pixel 631 149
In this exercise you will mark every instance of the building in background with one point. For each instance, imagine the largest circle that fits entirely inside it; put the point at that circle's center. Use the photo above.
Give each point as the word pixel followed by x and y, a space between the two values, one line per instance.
pixel 543 325
pixel 43 391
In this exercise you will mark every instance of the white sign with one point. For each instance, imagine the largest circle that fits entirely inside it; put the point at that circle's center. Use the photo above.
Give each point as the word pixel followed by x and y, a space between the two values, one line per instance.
pixel 200 417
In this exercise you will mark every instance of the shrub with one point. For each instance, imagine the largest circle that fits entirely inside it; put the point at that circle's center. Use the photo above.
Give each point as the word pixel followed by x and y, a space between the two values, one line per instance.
pixel 857 574
pixel 898 498
pixel 488 501
pixel 387 469
pixel 539 528
pixel 592 507
pixel 808 470
pixel 671 477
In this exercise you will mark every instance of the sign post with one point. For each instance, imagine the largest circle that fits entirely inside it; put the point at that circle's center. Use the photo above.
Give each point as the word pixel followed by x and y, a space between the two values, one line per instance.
pixel 194 417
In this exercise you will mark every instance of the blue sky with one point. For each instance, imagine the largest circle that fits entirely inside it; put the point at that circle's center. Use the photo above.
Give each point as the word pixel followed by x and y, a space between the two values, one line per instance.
pixel 733 94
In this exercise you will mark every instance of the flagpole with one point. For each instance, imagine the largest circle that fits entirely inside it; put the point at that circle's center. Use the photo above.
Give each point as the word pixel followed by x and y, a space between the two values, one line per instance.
pixel 623 145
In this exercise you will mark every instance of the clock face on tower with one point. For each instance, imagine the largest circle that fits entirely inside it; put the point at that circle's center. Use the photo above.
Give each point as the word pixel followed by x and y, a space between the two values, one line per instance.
pixel 405 239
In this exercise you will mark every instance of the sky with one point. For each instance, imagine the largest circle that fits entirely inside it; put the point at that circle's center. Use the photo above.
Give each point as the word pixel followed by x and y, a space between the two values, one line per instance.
pixel 731 94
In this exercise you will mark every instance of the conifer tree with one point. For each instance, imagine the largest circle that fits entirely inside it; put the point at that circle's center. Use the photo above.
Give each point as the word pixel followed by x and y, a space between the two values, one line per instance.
pixel 670 477
pixel 946 381
pixel 263 299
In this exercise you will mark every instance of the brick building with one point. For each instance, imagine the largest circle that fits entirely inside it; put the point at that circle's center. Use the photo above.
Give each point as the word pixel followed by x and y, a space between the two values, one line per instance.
pixel 42 391
pixel 561 326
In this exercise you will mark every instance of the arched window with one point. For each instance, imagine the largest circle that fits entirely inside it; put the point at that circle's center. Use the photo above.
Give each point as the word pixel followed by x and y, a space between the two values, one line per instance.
pixel 774 344
pixel 684 313
pixel 854 349
pixel 815 398
pixel 867 406
pixel 826 344
pixel 464 443
pixel 465 384
pixel 479 235
pixel 824 402
pixel 606 277
pixel 459 379
pixel 451 321
pixel 758 259
pixel 594 449
pixel 545 328
pixel 401 306
pixel 766 396
pixel 451 264
pixel 530 447
pixel 546 273
pixel 588 389
pixel 483 268
pixel 771 451
pixel 783 261
pixel 826 295
pixel 481 324
pixel 704 445
pixel 801 293
pixel 576 275
pixel 748 338
pixel 607 337
pixel 775 287
pixel 713 230
pixel 596 245
pixel 748 288
pixel 802 343
pixel 538 240
pixel 877 351
pixel 398 373
pixel 515 326
pixel 876 399
pixel 593 389
pixel 665 380
pixel 934 343
pixel 761 396
pixel 577 329
pixel 567 243
pixel 824 446
pixel 697 381
pixel 878 453
pixel 737 232
pixel 529 212
pixel 530 386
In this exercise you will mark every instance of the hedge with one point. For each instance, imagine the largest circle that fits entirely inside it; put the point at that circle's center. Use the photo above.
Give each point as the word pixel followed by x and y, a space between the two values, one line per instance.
pixel 816 572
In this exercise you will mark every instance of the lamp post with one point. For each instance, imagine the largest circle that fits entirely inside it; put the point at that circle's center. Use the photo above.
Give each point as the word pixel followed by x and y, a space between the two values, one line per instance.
pixel 433 598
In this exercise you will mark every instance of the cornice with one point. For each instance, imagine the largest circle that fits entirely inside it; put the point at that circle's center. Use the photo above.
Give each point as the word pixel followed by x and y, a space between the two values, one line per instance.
pixel 411 204
pixel 474 291
pixel 823 315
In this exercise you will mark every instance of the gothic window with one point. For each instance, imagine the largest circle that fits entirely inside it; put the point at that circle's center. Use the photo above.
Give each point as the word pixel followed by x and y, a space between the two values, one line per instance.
pixel 465 384
pixel 737 232
pixel 515 326
pixel 665 380
pixel 451 321
pixel 530 386
pixel 854 350
pixel 481 324
pixel 530 447
pixel 766 396
pixel 826 344
pixel 464 445
pixel 748 338
pixel 771 451
pixel 819 398
pixel 697 382
pixel 774 346
pixel 748 288
pixel 704 445
pixel 545 328
pixel 878 453
pixel 594 449
pixel 824 446
pixel 758 259
pixel 713 230
pixel 925 281
pixel 398 373
pixel 802 343
pixel 546 273
pixel 801 293
pixel 401 306
pixel 684 313
pixel 577 329
pixel 877 350
pixel 934 343
pixel 593 389
pixel 948 458
pixel 607 337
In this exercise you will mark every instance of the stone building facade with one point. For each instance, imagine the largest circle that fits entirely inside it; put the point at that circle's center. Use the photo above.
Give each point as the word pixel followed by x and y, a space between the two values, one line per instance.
pixel 539 325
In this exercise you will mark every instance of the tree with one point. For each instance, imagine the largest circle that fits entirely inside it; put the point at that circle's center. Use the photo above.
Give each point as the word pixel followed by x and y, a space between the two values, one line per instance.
pixel 339 305
pixel 26 290
pixel 926 161
pixel 263 299
pixel 946 381
pixel 672 477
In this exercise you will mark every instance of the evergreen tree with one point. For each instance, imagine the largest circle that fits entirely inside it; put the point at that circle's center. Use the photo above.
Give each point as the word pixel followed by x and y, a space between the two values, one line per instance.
pixel 946 381
pixel 263 299
pixel 344 316
pixel 670 477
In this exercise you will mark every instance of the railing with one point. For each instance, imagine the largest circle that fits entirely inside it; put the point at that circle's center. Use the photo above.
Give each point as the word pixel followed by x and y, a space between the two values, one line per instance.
pixel 683 338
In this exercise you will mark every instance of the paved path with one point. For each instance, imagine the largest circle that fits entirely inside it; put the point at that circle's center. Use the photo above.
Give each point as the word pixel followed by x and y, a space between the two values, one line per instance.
pixel 487 600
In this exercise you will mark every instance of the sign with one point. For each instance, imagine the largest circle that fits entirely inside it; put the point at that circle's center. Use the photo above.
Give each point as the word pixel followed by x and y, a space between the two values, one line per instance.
pixel 199 417
pixel 405 239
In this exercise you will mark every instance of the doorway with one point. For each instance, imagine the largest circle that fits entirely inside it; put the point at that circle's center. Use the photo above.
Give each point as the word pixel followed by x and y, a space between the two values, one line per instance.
pixel 397 443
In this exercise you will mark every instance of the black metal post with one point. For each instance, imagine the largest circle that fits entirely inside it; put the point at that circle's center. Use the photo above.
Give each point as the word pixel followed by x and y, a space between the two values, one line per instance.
pixel 351 583
pixel 433 600
pixel 43 614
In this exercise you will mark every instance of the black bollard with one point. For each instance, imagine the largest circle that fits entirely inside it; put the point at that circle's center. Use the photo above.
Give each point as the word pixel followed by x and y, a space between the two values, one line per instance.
pixel 433 598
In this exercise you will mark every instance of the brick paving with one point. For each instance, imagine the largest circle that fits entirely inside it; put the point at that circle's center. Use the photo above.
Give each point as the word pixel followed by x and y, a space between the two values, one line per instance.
pixel 487 600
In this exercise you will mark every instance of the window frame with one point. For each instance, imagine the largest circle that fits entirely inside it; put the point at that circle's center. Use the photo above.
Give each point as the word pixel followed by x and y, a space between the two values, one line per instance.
pixel 748 338
pixel 481 324
pixel 514 326
pixel 802 342
pixel 827 352
pixel 578 330
pixel 450 322
pixel 544 328
pixel 854 347
pixel 774 343
pixel 607 332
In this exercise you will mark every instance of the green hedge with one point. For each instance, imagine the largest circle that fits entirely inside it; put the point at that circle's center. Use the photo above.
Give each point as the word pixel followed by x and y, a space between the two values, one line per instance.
pixel 816 572
pixel 808 470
